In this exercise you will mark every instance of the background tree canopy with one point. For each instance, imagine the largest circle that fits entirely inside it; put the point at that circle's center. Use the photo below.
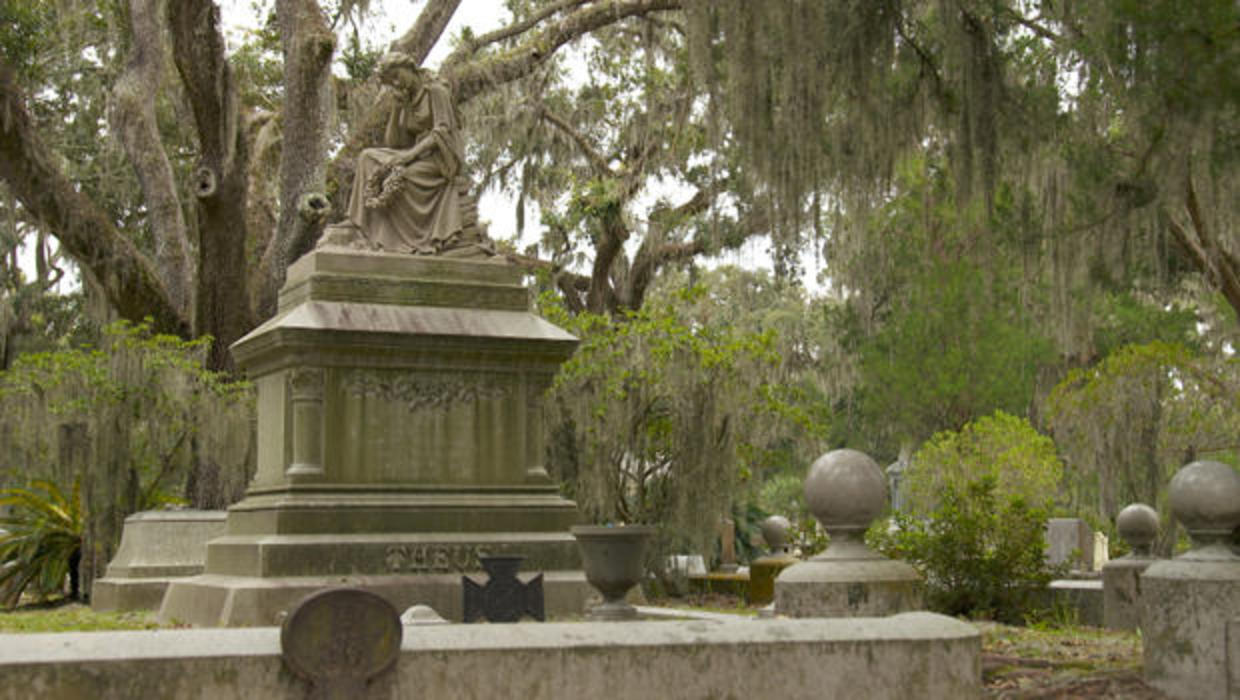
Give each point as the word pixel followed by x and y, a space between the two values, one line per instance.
pixel 1025 206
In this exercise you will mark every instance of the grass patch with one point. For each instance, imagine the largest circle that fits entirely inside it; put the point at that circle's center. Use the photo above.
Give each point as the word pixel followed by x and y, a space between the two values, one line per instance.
pixel 72 617
pixel 726 603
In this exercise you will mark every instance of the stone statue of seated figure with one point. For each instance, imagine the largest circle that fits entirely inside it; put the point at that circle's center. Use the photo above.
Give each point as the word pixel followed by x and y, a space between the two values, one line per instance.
pixel 409 196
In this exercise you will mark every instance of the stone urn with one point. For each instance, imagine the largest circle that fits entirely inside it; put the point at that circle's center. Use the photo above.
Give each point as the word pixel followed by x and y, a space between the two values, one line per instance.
pixel 614 560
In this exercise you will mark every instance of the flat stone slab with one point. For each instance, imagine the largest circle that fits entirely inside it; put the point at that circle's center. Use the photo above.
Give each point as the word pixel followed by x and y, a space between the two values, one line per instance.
pixel 937 656
pixel 156 547
pixel 1081 595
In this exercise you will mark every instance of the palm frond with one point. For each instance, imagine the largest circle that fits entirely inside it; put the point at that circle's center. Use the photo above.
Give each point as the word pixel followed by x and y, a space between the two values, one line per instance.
pixel 44 531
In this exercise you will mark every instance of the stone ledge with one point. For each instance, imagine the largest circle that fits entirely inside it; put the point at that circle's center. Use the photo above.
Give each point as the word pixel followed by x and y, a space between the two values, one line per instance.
pixel 920 654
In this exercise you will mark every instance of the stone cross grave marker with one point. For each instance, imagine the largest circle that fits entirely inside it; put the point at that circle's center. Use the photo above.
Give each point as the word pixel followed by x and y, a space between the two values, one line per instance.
pixel 339 640
pixel 503 598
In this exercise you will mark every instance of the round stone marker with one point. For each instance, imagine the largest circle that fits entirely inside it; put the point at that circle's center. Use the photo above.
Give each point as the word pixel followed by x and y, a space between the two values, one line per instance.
pixel 775 532
pixel 846 491
pixel 1138 526
pixel 1205 496
pixel 340 638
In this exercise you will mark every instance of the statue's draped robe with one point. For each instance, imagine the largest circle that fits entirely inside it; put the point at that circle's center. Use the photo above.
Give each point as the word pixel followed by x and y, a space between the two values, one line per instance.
pixel 425 215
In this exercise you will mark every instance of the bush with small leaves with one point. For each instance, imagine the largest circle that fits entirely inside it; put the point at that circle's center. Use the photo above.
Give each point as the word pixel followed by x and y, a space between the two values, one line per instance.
pixel 982 552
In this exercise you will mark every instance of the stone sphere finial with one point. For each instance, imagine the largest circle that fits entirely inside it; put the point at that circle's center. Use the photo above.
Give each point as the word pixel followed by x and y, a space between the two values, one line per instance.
pixel 1138 526
pixel 846 491
pixel 1205 496
pixel 775 532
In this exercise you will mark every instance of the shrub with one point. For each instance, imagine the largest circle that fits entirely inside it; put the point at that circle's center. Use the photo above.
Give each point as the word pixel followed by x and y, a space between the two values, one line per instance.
pixel 43 541
pixel 982 553
pixel 1021 461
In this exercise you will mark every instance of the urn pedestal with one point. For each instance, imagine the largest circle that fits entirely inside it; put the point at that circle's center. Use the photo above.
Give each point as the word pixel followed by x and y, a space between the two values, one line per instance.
pixel 614 559
pixel 400 439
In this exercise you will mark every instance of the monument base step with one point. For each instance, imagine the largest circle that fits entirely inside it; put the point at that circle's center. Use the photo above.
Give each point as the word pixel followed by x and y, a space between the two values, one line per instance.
pixel 211 600
pixel 273 555
pixel 311 512
pixel 126 594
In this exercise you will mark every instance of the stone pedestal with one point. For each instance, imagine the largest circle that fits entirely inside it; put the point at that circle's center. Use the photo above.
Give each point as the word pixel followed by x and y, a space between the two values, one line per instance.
pixel 156 547
pixel 846 491
pixel 764 569
pixel 1121 578
pixel 1187 602
pixel 400 438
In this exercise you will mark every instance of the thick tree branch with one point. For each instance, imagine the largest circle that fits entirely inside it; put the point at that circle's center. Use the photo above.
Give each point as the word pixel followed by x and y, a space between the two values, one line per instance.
pixel 597 163
pixel 309 44
pixel 471 47
pixel 572 286
pixel 477 76
pixel 656 251
pixel 1033 26
pixel 84 230
pixel 1220 264
pixel 131 115
pixel 222 303
pixel 430 25
pixel 198 49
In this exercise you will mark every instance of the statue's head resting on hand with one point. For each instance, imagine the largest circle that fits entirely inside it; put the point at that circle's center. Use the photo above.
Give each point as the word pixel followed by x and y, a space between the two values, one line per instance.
pixel 400 71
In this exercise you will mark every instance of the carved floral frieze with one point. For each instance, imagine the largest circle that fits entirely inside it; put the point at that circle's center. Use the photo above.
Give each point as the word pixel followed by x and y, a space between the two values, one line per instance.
pixel 419 390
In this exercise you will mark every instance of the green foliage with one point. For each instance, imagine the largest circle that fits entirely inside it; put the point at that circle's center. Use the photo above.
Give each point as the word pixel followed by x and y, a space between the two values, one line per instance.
pixel 1003 448
pixel 947 357
pixel 40 540
pixel 1128 319
pixel 665 415
pixel 1126 424
pixel 654 398
pixel 982 552
pixel 138 421
pixel 147 401
pixel 940 311
pixel 23 28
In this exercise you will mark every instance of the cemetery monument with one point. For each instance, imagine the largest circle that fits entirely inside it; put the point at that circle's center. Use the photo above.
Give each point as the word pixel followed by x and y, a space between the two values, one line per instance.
pixel 399 388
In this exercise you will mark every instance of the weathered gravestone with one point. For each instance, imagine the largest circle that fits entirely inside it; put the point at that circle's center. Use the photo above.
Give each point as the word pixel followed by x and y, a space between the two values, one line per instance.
pixel 1070 541
pixel 340 640
pixel 847 491
pixel 1187 602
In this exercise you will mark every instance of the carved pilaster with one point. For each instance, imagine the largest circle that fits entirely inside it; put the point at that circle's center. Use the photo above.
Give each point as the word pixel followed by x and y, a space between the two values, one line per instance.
pixel 306 396
pixel 535 452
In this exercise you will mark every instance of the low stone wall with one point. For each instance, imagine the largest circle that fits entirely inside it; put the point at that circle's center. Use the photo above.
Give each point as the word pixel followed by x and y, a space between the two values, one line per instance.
pixel 909 655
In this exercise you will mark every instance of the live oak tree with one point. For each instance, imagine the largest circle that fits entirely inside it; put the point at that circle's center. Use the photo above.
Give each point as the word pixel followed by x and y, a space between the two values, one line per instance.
pixel 176 114
pixel 619 164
